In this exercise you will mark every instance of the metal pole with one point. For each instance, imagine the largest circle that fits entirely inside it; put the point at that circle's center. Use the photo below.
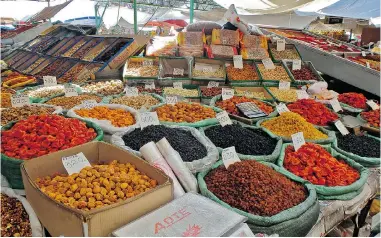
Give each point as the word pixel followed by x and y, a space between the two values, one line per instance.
pixel 135 19
pixel 191 11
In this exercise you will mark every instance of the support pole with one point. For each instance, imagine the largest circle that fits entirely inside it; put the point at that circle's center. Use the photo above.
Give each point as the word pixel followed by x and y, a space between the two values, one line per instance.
pixel 135 19
pixel 191 11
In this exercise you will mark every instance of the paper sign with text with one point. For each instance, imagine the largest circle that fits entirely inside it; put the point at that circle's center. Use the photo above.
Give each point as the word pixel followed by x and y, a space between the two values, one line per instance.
pixel 75 163
pixel 268 63
pixel 223 118
pixel 89 103
pixel 19 100
pixel 372 105
pixel 298 140
pixel 335 105
pixel 132 91
pixel 296 64
pixel 171 99
pixel 178 84
pixel 284 85
pixel 280 45
pixel 49 81
pixel 213 84
pixel 149 85
pixel 281 108
pixel 70 91
pixel 148 118
pixel 177 71
pixel 340 126
pixel 229 156
pixel 227 93
pixel 237 61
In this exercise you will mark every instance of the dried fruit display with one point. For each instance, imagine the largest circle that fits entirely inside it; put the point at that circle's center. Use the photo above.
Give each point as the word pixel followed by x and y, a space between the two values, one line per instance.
pixel 248 72
pixel 20 113
pixel 290 54
pixel 72 74
pixel 70 102
pixel 85 75
pixel 44 134
pixel 111 52
pixel 19 81
pixel 136 102
pixel 54 69
pixel 92 55
pixel 14 219
pixel 364 146
pixel 289 95
pixel 74 48
pixel 255 188
pixel 181 92
pixel 254 41
pixel 203 70
pixel 357 100
pixel 117 117
pixel 191 50
pixel 225 37
pixel 221 51
pixel 230 105
pixel 105 88
pixel 86 48
pixel 210 92
pixel 184 112
pixel 97 186
pixel 254 53
pixel 372 117
pixel 5 99
pixel 313 163
pixel 250 94
pixel 314 112
pixel 139 69
pixel 44 92
pixel 279 73
pixel 157 90
pixel 191 38
pixel 373 64
pixel 33 66
pixel 305 73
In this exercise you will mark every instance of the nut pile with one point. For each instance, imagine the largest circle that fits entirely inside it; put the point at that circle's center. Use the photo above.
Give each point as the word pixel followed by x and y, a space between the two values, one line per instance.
pixel 285 54
pixel 184 112
pixel 364 146
pixel 208 71
pixel 71 74
pixel 305 73
pixel 250 94
pixel 181 92
pixel 74 48
pixel 279 73
pixel 248 72
pixel 14 219
pixel 222 51
pixel 105 88
pixel 96 186
pixel 247 141
pixel 182 141
pixel 230 105
pixel 254 53
pixel 157 90
pixel 44 92
pixel 289 95
pixel 5 99
pixel 117 117
pixel 70 102
pixel 210 92
pixel 137 69
pixel 21 113
pixel 136 102
pixel 255 188
pixel 93 54
pixel 88 71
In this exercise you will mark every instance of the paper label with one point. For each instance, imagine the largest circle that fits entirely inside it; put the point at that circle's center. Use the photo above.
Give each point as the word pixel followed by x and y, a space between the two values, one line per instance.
pixel 149 85
pixel 171 99
pixel 281 107
pixel 363 53
pixel 75 163
pixel 373 105
pixel 284 85
pixel 49 81
pixel 207 69
pixel 70 91
pixel 178 84
pixel 298 140
pixel 148 118
pixel 213 84
pixel 147 62
pixel 302 94
pixel 132 91
pixel 237 61
pixel 280 45
pixel 296 64
pixel 268 63
pixel 335 105
pixel 19 100
pixel 367 65
pixel 177 71
pixel 89 103
pixel 227 93
pixel 340 126
pixel 223 118
pixel 229 156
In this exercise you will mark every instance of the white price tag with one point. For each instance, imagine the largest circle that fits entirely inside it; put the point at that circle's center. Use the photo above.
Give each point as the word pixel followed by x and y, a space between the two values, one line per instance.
pixel 49 81
pixel 229 156
pixel 296 64
pixel 237 61
pixel 363 53
pixel 282 108
pixel 268 63
pixel 340 126
pixel 298 140
pixel 147 62
pixel 177 71
pixel 171 99
pixel 149 85
pixel 283 85
pixel 280 45
pixel 213 84
pixel 302 94
pixel 89 103
pixel 75 163
pixel 207 69
pixel 70 91
pixel 367 65
pixel 178 84
pixel 19 100
pixel 224 41
pixel 148 118
pixel 223 118
pixel 335 105
pixel 227 93
pixel 373 105
pixel 132 91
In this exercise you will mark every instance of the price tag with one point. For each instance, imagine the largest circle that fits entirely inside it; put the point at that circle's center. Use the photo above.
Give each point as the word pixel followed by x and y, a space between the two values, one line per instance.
pixel 49 81
pixel 280 45
pixel 335 105
pixel 19 100
pixel 178 84
pixel 367 65
pixel 149 85
pixel 223 118
pixel 177 71
pixel 298 140
pixel 282 108
pixel 227 93
pixel 132 91
pixel 302 94
pixel 75 163
pixel 283 85
pixel 147 62
pixel 89 103
pixel 373 105
pixel 224 41
pixel 296 64
pixel 148 118
pixel 268 63
pixel 363 53
pixel 70 91
pixel 227 64
pixel 207 69
pixel 229 156
pixel 171 99
pixel 213 84
pixel 237 61
pixel 340 126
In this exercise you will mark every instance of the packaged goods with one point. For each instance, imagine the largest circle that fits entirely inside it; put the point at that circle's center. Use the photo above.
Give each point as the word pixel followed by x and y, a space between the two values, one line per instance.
pixel 364 146
pixel 136 67
pixel 248 72
pixel 288 53
pixel 210 92
pixel 156 90
pixel 205 26
pixel 225 37
pixel 372 117
pixel 138 102
pixel 221 51
pixel 117 117
pixel 314 112
pixel 230 105
pixel 181 92
pixel 356 100
pixel 254 53
pixel 191 38
pixel 169 66
pixel 184 112
pixel 253 41
pixel 69 102
pixel 289 95
pixel 5 99
pixel 20 113
pixel 208 71
pixel 304 73
pixel 104 88
pixel 278 74
pixel 72 74
pixel 191 50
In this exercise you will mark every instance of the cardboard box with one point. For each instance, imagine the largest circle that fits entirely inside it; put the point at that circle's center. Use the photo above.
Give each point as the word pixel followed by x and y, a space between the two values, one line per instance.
pixel 60 219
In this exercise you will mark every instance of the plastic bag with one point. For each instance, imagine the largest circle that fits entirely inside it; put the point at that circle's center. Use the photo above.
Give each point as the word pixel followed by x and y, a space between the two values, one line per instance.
pixel 231 16
pixel 254 53
pixel 221 51
pixel 191 50
pixel 205 26
pixel 252 41
pixel 191 38
pixel 225 37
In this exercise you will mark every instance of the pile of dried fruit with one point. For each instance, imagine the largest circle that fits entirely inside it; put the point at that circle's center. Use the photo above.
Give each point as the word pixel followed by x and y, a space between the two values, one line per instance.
pixel 184 112
pixel 247 141
pixel 372 117
pixel 305 73
pixel 96 186
pixel 72 74
pixel 86 74
pixel 314 112
pixel 360 145
pixel 5 99
pixel 105 88
pixel 230 105
pixel 181 92
pixel 44 134
pixel 313 163
pixel 255 188
pixel 182 141
pixel 248 72
pixel 208 71
pixel 279 73
pixel 21 113
pixel 136 102
pixel 289 123
pixel 138 69
pixel 70 102
pixel 117 117
pixel 357 100
pixel 157 90
pixel 14 219
pixel 17 80
pixel 289 95
pixel 285 54
pixel 210 92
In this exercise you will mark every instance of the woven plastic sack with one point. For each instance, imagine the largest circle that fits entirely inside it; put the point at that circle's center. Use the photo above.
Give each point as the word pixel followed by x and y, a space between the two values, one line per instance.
pixel 107 100
pixel 334 192
pixel 267 158
pixel 106 124
pixel 37 100
pixel 206 26
pixel 202 123
pixel 295 221
pixel 225 37
pixel 329 140
pixel 194 166
pixel 10 167
pixel 350 108
pixel 35 225
pixel 365 161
